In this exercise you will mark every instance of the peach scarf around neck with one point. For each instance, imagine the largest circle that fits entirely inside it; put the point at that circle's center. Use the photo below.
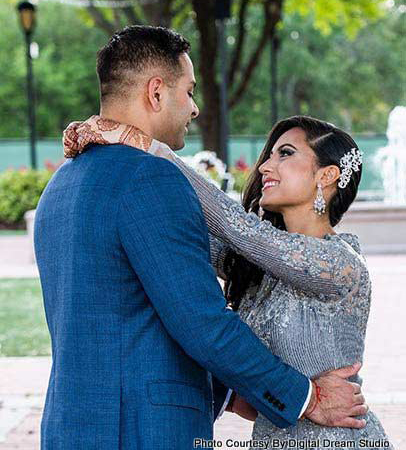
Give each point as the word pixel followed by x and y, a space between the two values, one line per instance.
pixel 97 130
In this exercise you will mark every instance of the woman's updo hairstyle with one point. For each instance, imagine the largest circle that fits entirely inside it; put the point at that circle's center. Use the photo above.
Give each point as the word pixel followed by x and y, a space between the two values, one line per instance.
pixel 329 144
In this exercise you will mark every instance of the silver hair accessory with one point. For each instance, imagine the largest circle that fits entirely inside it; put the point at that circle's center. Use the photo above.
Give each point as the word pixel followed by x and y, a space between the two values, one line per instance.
pixel 351 161
pixel 319 204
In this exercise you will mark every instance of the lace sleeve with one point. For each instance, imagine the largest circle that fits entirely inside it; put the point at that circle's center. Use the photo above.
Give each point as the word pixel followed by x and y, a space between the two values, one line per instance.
pixel 324 266
pixel 218 252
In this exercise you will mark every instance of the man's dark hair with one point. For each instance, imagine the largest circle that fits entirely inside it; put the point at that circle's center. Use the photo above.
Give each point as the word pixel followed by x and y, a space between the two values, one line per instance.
pixel 133 50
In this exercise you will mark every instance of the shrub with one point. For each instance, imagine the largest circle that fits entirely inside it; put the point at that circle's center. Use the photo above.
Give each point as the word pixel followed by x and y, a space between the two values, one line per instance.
pixel 20 191
pixel 240 179
pixel 241 173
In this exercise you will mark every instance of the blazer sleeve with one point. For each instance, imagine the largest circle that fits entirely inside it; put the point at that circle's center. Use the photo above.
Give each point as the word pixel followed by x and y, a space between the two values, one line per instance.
pixel 164 234
pixel 219 395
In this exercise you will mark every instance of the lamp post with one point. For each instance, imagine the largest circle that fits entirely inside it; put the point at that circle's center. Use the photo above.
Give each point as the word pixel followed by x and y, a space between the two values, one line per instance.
pixel 274 41
pixel 27 19
pixel 222 12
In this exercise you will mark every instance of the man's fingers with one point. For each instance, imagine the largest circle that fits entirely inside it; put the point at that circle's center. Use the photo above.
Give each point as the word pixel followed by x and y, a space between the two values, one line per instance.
pixel 359 399
pixel 347 371
pixel 357 387
pixel 350 422
pixel 359 410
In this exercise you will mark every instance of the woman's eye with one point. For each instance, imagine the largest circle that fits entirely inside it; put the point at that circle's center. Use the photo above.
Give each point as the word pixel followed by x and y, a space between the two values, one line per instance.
pixel 285 152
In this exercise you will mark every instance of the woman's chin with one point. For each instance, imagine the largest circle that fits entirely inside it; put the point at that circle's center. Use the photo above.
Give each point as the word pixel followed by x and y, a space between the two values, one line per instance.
pixel 266 206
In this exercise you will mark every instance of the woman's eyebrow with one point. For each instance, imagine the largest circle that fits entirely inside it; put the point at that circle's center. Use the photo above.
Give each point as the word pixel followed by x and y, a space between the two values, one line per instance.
pixel 284 145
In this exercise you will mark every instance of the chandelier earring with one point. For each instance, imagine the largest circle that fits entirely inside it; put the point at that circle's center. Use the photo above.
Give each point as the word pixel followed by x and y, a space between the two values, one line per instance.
pixel 319 204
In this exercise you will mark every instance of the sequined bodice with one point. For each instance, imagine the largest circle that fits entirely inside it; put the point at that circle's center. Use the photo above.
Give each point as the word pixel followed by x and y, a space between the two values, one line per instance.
pixel 309 332
pixel 312 306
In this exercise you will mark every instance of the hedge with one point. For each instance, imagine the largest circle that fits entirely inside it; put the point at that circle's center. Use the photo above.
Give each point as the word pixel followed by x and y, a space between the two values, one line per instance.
pixel 20 191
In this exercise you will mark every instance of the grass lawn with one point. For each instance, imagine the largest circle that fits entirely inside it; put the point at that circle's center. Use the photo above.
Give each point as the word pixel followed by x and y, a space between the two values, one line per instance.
pixel 12 232
pixel 23 329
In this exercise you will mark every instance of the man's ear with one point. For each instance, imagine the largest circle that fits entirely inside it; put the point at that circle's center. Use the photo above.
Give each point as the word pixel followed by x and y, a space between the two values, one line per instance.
pixel 154 93
pixel 328 175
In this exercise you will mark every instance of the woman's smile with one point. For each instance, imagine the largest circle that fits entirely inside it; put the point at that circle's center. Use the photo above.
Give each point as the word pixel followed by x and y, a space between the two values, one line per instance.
pixel 270 183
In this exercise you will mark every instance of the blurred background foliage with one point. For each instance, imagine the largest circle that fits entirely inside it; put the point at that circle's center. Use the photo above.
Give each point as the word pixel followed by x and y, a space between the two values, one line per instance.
pixel 352 82
pixel 20 191
pixel 338 60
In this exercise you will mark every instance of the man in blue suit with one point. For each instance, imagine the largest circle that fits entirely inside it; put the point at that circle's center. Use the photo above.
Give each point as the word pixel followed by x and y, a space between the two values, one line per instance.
pixel 142 342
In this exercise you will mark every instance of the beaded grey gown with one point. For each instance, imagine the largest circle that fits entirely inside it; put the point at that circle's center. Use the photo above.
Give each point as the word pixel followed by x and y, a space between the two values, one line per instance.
pixel 311 308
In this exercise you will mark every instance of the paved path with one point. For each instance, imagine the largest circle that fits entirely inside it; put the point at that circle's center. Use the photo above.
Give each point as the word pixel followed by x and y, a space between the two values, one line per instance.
pixel 17 257
pixel 23 380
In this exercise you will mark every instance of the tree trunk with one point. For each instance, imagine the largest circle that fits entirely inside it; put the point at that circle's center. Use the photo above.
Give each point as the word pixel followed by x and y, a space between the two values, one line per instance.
pixel 162 12
pixel 209 120
pixel 158 12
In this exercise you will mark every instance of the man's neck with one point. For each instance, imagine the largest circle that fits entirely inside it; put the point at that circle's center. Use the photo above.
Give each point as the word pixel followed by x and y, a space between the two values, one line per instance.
pixel 127 118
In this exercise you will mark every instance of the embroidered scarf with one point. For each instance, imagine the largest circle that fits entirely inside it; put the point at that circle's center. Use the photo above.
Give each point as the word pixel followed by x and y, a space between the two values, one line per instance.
pixel 96 130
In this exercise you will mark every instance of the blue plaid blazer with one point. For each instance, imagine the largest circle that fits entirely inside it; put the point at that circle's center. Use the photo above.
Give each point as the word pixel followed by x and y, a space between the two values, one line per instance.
pixel 138 322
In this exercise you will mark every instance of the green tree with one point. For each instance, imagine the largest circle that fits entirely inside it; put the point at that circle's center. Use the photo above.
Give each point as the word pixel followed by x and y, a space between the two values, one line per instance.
pixel 64 74
pixel 353 82
pixel 269 14
pixel 326 72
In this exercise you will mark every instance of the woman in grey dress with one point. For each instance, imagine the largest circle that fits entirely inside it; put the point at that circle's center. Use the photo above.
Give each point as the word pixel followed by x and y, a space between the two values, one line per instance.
pixel 302 288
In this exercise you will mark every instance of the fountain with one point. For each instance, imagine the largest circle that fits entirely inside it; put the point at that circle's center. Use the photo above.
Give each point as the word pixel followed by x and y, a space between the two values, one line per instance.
pixel 381 226
pixel 392 158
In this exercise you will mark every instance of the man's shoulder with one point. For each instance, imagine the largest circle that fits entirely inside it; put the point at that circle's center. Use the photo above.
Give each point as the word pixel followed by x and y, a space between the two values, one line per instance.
pixel 145 166
pixel 157 166
pixel 158 176
pixel 134 157
pixel 121 169
pixel 119 152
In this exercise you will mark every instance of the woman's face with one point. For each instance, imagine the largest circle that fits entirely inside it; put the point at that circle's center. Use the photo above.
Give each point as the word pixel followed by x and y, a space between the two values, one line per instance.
pixel 288 176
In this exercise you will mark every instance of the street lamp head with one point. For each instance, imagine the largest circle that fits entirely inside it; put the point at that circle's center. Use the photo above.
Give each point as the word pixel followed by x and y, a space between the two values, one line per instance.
pixel 27 16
